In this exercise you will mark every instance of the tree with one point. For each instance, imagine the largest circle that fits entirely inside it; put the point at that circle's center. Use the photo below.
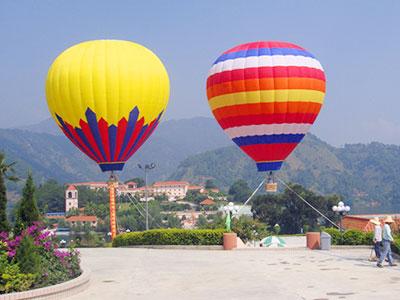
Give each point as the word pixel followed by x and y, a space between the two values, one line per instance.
pixel 5 169
pixel 210 184
pixel 268 209
pixel 27 211
pixel 291 213
pixel 173 221
pixel 240 191
pixel 52 195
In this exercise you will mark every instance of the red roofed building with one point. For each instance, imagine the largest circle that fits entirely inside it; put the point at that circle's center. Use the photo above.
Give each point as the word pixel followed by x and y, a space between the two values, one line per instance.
pixel 92 220
pixel 173 189
pixel 207 201
pixel 362 222
pixel 196 188
pixel 93 185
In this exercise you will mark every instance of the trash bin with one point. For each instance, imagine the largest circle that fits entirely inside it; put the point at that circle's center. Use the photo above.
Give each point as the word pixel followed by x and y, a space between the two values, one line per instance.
pixel 325 241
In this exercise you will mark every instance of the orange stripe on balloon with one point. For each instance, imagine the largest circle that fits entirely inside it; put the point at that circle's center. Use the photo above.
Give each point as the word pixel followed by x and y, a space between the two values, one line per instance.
pixel 266 108
pixel 257 84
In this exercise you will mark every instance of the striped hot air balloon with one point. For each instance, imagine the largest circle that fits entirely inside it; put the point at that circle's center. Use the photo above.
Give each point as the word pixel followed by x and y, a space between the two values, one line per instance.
pixel 266 96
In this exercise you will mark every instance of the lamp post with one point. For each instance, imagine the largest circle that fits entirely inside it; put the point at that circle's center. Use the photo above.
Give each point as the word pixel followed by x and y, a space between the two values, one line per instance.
pixel 147 168
pixel 230 209
pixel 341 209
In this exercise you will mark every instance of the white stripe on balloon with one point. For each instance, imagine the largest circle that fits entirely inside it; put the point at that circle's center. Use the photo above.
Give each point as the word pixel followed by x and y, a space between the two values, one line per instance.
pixel 265 61
pixel 267 129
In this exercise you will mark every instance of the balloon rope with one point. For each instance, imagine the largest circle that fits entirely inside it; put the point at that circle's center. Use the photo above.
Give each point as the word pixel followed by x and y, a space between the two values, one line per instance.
pixel 137 207
pixel 305 201
pixel 255 191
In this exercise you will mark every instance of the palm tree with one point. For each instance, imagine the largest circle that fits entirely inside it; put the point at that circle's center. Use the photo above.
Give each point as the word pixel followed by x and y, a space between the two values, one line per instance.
pixel 5 169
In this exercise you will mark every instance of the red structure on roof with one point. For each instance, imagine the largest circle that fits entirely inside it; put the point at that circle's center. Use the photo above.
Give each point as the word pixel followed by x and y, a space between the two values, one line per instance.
pixel 207 201
pixel 362 222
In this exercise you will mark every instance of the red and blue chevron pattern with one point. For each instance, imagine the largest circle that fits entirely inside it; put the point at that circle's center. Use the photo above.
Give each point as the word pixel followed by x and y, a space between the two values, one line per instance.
pixel 109 146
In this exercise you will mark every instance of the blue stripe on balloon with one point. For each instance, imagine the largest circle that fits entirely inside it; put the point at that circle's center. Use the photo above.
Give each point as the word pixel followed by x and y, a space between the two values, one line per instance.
pixel 112 138
pixel 94 128
pixel 111 166
pixel 133 116
pixel 85 140
pixel 147 135
pixel 142 131
pixel 269 166
pixel 145 138
pixel 268 139
pixel 71 136
pixel 263 51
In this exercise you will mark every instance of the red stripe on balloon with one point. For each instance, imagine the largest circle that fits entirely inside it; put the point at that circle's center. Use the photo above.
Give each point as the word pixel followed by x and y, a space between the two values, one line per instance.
pixel 257 45
pixel 87 132
pixel 144 137
pixel 121 129
pixel 134 136
pixel 269 152
pixel 78 142
pixel 265 72
pixel 103 128
pixel 267 119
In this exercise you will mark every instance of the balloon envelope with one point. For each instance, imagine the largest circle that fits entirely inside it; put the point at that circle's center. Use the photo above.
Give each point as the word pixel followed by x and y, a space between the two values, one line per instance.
pixel 107 96
pixel 266 96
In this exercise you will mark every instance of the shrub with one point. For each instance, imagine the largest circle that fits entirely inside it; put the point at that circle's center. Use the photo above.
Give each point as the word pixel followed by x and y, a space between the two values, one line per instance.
pixel 170 237
pixel 353 237
pixel 396 246
pixel 336 236
pixel 34 251
pixel 27 256
pixel 368 238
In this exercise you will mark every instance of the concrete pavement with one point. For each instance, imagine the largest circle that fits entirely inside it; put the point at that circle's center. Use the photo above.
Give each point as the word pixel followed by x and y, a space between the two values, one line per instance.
pixel 258 273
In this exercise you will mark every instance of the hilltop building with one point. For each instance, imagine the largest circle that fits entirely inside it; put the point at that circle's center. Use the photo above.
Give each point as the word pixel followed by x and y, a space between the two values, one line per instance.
pixel 174 190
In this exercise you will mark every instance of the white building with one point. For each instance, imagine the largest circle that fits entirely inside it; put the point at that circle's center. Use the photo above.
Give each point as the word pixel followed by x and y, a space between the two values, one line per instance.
pixel 71 198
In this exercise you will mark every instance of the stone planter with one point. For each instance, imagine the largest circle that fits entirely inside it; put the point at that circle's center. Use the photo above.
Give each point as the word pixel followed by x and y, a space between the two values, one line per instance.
pixel 230 241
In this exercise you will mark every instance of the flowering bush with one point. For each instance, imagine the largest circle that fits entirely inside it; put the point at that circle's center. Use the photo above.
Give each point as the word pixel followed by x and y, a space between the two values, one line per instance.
pixel 33 260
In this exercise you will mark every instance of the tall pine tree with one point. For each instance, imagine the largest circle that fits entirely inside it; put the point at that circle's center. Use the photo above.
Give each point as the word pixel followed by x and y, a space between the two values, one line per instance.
pixel 27 212
pixel 5 169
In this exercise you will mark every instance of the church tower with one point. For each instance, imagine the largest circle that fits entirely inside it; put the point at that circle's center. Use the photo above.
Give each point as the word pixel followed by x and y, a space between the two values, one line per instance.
pixel 71 198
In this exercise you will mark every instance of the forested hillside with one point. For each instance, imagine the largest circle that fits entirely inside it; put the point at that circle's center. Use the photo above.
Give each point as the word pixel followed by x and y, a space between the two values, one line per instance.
pixel 366 175
pixel 54 156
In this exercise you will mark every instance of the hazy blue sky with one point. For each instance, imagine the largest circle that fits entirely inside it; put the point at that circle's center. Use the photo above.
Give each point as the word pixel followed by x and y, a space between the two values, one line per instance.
pixel 357 43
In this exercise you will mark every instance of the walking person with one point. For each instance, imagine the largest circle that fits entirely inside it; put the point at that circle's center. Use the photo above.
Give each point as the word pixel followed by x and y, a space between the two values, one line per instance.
pixel 386 240
pixel 377 239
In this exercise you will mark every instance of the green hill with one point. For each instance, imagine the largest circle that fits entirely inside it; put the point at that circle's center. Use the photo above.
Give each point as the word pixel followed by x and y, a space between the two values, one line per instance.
pixel 366 175
pixel 54 156
pixel 194 150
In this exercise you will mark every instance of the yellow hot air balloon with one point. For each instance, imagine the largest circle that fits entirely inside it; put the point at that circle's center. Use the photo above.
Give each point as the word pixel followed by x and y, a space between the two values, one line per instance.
pixel 107 96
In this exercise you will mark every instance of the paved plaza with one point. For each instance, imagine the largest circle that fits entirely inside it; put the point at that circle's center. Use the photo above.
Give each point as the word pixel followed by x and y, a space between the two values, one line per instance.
pixel 259 273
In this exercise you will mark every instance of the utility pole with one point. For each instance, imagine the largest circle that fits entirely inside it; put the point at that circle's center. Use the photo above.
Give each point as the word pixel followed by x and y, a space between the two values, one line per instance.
pixel 147 168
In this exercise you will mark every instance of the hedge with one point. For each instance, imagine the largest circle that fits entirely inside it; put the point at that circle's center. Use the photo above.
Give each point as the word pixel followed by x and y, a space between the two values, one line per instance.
pixel 170 237
pixel 356 237
pixel 336 236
